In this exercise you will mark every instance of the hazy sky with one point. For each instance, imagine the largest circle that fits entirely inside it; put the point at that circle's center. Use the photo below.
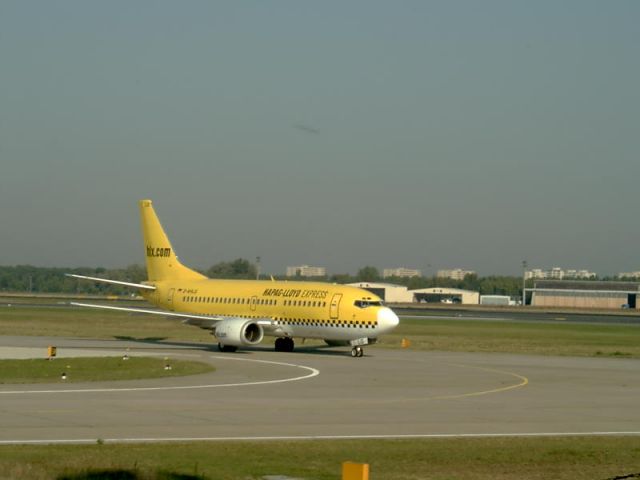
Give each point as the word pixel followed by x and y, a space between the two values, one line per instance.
pixel 337 133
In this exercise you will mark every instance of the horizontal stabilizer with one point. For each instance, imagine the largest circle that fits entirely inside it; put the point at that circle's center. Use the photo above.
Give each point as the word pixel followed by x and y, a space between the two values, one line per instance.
pixel 202 321
pixel 115 282
pixel 145 310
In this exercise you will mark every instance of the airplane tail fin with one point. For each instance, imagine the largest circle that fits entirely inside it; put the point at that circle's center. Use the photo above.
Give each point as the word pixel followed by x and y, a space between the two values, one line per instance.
pixel 162 262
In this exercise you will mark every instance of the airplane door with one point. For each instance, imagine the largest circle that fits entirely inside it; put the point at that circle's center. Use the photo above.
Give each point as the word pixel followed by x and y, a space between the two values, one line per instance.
pixel 252 305
pixel 335 304
pixel 170 298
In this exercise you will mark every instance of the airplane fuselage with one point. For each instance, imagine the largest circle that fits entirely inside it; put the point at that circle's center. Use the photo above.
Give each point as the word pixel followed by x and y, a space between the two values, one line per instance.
pixel 295 309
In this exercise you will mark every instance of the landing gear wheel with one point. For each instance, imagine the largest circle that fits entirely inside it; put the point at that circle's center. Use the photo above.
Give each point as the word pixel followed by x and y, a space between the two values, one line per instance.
pixel 288 344
pixel 357 352
pixel 284 344
pixel 226 348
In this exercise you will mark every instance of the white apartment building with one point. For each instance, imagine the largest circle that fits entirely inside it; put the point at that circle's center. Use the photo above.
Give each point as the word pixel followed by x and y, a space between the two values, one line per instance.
pixel 635 274
pixel 306 271
pixel 455 274
pixel 557 273
pixel 401 272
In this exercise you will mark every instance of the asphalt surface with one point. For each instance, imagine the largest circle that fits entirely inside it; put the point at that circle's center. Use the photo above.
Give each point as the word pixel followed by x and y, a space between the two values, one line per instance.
pixel 321 393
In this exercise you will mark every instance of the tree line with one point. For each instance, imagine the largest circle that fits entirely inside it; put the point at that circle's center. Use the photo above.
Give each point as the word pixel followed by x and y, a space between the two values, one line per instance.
pixel 30 279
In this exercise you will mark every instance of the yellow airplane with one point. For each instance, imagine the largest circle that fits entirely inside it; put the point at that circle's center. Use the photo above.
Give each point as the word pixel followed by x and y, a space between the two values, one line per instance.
pixel 241 312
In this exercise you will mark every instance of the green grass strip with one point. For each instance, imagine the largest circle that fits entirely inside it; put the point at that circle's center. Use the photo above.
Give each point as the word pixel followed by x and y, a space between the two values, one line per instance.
pixel 538 338
pixel 95 369
pixel 565 458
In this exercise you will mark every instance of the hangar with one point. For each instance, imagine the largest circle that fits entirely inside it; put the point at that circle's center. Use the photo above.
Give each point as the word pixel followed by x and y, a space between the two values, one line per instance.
pixel 388 292
pixel 392 293
pixel 446 295
pixel 584 294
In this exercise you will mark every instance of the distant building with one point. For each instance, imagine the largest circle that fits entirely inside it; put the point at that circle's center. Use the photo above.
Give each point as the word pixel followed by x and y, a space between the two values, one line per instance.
pixel 582 294
pixel 557 273
pixel 306 271
pixel 635 274
pixel 455 274
pixel 445 295
pixel 401 272
pixel 387 291
pixel 392 293
pixel 503 300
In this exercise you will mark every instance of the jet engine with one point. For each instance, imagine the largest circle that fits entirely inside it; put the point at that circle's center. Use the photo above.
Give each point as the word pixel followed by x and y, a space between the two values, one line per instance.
pixel 238 332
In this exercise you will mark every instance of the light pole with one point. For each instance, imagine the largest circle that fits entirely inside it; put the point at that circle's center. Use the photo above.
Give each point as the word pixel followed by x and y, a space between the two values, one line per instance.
pixel 257 268
pixel 524 282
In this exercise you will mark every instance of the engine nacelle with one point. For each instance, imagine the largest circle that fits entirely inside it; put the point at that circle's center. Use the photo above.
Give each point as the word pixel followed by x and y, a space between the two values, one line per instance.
pixel 238 332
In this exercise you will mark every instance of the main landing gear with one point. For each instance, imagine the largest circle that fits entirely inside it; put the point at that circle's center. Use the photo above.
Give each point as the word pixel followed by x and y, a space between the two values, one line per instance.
pixel 226 348
pixel 357 352
pixel 284 344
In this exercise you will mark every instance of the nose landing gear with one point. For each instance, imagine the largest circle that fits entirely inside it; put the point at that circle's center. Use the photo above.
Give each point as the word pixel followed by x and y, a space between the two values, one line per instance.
pixel 357 352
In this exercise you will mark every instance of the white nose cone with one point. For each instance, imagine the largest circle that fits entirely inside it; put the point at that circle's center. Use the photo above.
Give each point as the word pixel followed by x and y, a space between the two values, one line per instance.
pixel 387 320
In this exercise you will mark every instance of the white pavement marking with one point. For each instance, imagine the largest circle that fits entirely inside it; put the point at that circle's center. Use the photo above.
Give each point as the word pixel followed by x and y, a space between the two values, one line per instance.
pixel 314 372
pixel 322 437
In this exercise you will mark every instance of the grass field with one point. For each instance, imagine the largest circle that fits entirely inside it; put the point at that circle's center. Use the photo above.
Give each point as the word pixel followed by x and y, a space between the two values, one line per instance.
pixel 424 334
pixel 89 323
pixel 571 339
pixel 95 369
pixel 567 458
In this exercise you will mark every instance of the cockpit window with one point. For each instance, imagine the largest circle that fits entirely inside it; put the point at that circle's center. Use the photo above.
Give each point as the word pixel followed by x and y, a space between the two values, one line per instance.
pixel 368 303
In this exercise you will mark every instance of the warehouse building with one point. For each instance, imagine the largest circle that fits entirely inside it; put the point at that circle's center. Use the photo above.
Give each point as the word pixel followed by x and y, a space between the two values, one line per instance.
pixel 577 294
pixel 392 293
pixel 445 295
pixel 388 292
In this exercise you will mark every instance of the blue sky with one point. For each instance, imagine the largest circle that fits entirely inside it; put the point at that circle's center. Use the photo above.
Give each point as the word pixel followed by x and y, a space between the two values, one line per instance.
pixel 343 134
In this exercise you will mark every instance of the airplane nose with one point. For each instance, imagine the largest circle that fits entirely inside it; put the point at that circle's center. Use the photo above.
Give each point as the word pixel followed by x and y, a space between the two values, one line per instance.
pixel 387 320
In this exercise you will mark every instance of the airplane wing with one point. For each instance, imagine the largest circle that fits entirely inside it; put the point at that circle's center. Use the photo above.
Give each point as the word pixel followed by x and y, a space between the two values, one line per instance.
pixel 203 321
pixel 115 282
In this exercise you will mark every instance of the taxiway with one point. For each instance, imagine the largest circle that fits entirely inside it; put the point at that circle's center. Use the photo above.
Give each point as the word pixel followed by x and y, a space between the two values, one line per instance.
pixel 315 393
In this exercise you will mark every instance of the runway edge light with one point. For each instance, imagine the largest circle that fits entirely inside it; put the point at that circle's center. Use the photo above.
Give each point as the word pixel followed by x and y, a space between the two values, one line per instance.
pixel 355 471
pixel 405 343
